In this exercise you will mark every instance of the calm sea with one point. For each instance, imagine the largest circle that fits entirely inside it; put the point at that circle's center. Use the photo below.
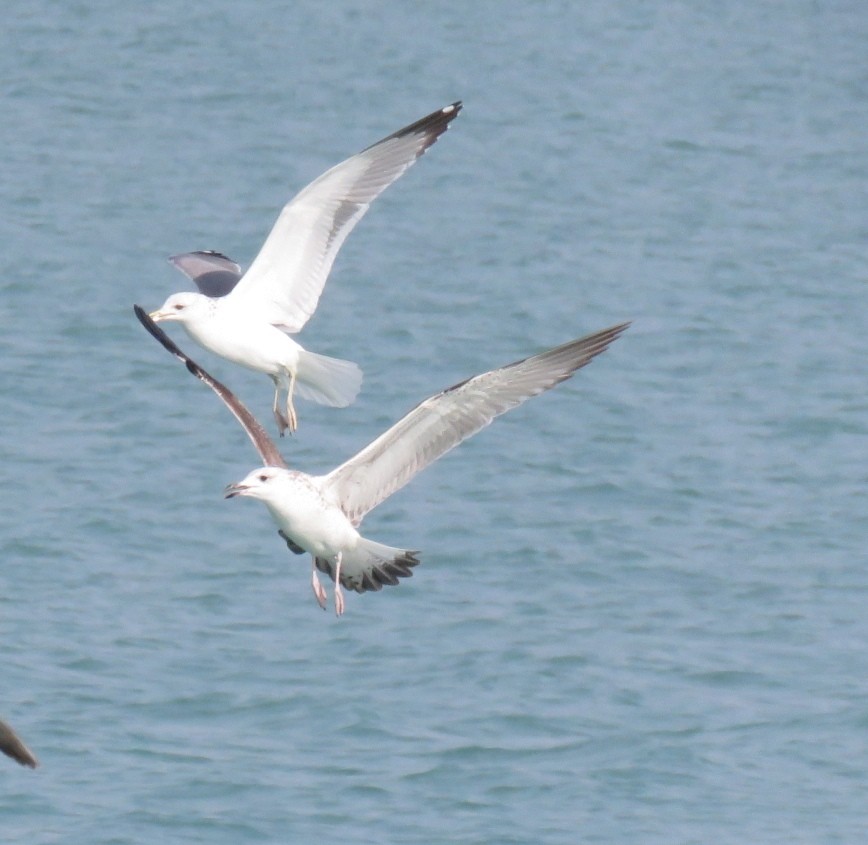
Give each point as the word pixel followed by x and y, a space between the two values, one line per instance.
pixel 641 614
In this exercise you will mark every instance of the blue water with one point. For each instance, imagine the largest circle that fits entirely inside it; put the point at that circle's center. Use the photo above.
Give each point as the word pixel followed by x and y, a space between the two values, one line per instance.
pixel 641 611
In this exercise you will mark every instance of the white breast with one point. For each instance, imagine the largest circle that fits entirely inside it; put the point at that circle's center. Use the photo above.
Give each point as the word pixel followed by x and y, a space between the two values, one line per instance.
pixel 245 341
pixel 316 525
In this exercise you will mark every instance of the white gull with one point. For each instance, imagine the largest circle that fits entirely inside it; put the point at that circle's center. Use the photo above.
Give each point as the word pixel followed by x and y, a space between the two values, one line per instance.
pixel 321 514
pixel 244 317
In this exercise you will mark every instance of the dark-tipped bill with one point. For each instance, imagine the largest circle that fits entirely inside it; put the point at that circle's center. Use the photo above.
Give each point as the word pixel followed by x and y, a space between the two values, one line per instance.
pixel 233 490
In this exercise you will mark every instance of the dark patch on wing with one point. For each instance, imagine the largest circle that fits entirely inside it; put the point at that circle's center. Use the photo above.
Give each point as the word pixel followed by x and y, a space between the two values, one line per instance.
pixel 214 273
pixel 293 546
pixel 217 283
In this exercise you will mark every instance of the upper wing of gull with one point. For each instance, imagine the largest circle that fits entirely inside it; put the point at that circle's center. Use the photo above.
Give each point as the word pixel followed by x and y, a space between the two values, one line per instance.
pixel 286 278
pixel 442 421
pixel 263 443
pixel 214 273
pixel 12 746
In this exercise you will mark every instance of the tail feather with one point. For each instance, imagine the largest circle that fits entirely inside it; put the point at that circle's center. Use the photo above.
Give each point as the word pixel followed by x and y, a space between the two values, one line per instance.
pixel 371 566
pixel 329 381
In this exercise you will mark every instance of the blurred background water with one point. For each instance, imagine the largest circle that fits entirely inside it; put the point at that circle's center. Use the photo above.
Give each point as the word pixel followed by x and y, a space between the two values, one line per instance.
pixel 641 610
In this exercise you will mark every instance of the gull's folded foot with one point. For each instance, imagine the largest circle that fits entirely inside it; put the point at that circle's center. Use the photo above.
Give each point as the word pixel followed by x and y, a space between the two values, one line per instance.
pixel 292 424
pixel 339 593
pixel 282 423
pixel 318 589
pixel 290 408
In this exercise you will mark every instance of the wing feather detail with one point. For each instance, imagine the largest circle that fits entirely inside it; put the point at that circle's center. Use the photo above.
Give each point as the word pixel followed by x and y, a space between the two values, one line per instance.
pixel 286 279
pixel 444 420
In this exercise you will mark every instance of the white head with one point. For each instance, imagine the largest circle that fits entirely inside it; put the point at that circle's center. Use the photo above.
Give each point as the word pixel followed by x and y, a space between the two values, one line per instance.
pixel 183 307
pixel 263 483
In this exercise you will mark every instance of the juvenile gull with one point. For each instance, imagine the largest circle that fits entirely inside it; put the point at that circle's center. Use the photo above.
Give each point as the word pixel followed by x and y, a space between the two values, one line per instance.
pixel 245 316
pixel 321 514
pixel 12 746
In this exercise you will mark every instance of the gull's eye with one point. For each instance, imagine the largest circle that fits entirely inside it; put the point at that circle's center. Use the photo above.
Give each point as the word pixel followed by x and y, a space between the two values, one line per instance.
pixel 179 307
pixel 263 477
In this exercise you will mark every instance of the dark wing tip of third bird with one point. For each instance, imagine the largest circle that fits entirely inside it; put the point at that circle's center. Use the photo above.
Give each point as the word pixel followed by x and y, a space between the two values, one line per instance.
pixel 12 746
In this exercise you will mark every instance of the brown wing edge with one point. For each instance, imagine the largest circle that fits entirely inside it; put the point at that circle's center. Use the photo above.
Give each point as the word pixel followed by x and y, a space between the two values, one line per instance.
pixel 266 447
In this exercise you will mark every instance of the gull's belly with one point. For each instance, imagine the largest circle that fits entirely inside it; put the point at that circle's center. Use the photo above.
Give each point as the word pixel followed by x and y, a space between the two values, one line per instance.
pixel 255 345
pixel 317 526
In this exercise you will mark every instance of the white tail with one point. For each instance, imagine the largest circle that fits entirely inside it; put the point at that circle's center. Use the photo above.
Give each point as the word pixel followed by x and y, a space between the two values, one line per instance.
pixel 369 553
pixel 329 381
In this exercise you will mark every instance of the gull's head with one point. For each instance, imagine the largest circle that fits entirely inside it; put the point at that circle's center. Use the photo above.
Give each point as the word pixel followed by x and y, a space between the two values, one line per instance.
pixel 182 307
pixel 262 483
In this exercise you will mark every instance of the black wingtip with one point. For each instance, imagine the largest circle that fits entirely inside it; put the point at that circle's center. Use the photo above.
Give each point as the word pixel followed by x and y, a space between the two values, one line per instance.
pixel 432 125
pixel 212 252
pixel 146 321
pixel 155 331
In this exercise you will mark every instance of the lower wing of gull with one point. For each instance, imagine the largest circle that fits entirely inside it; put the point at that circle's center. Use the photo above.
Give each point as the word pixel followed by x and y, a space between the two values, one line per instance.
pixel 12 746
pixel 286 279
pixel 264 444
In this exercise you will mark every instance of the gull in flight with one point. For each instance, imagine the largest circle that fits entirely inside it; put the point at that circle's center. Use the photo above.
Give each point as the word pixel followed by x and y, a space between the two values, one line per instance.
pixel 321 514
pixel 12 746
pixel 245 317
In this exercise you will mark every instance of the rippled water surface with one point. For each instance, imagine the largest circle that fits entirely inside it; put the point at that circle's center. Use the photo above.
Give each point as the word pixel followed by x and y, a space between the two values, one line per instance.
pixel 641 611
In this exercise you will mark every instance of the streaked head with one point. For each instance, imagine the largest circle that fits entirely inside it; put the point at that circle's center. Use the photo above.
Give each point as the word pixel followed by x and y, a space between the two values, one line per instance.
pixel 181 307
pixel 262 483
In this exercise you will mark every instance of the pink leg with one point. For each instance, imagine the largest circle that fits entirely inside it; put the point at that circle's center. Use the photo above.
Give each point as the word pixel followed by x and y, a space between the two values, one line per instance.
pixel 339 593
pixel 282 424
pixel 318 589
pixel 290 408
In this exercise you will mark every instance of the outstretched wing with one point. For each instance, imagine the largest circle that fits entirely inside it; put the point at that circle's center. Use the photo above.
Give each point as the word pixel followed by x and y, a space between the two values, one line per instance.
pixel 12 746
pixel 286 278
pixel 214 273
pixel 441 422
pixel 263 443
